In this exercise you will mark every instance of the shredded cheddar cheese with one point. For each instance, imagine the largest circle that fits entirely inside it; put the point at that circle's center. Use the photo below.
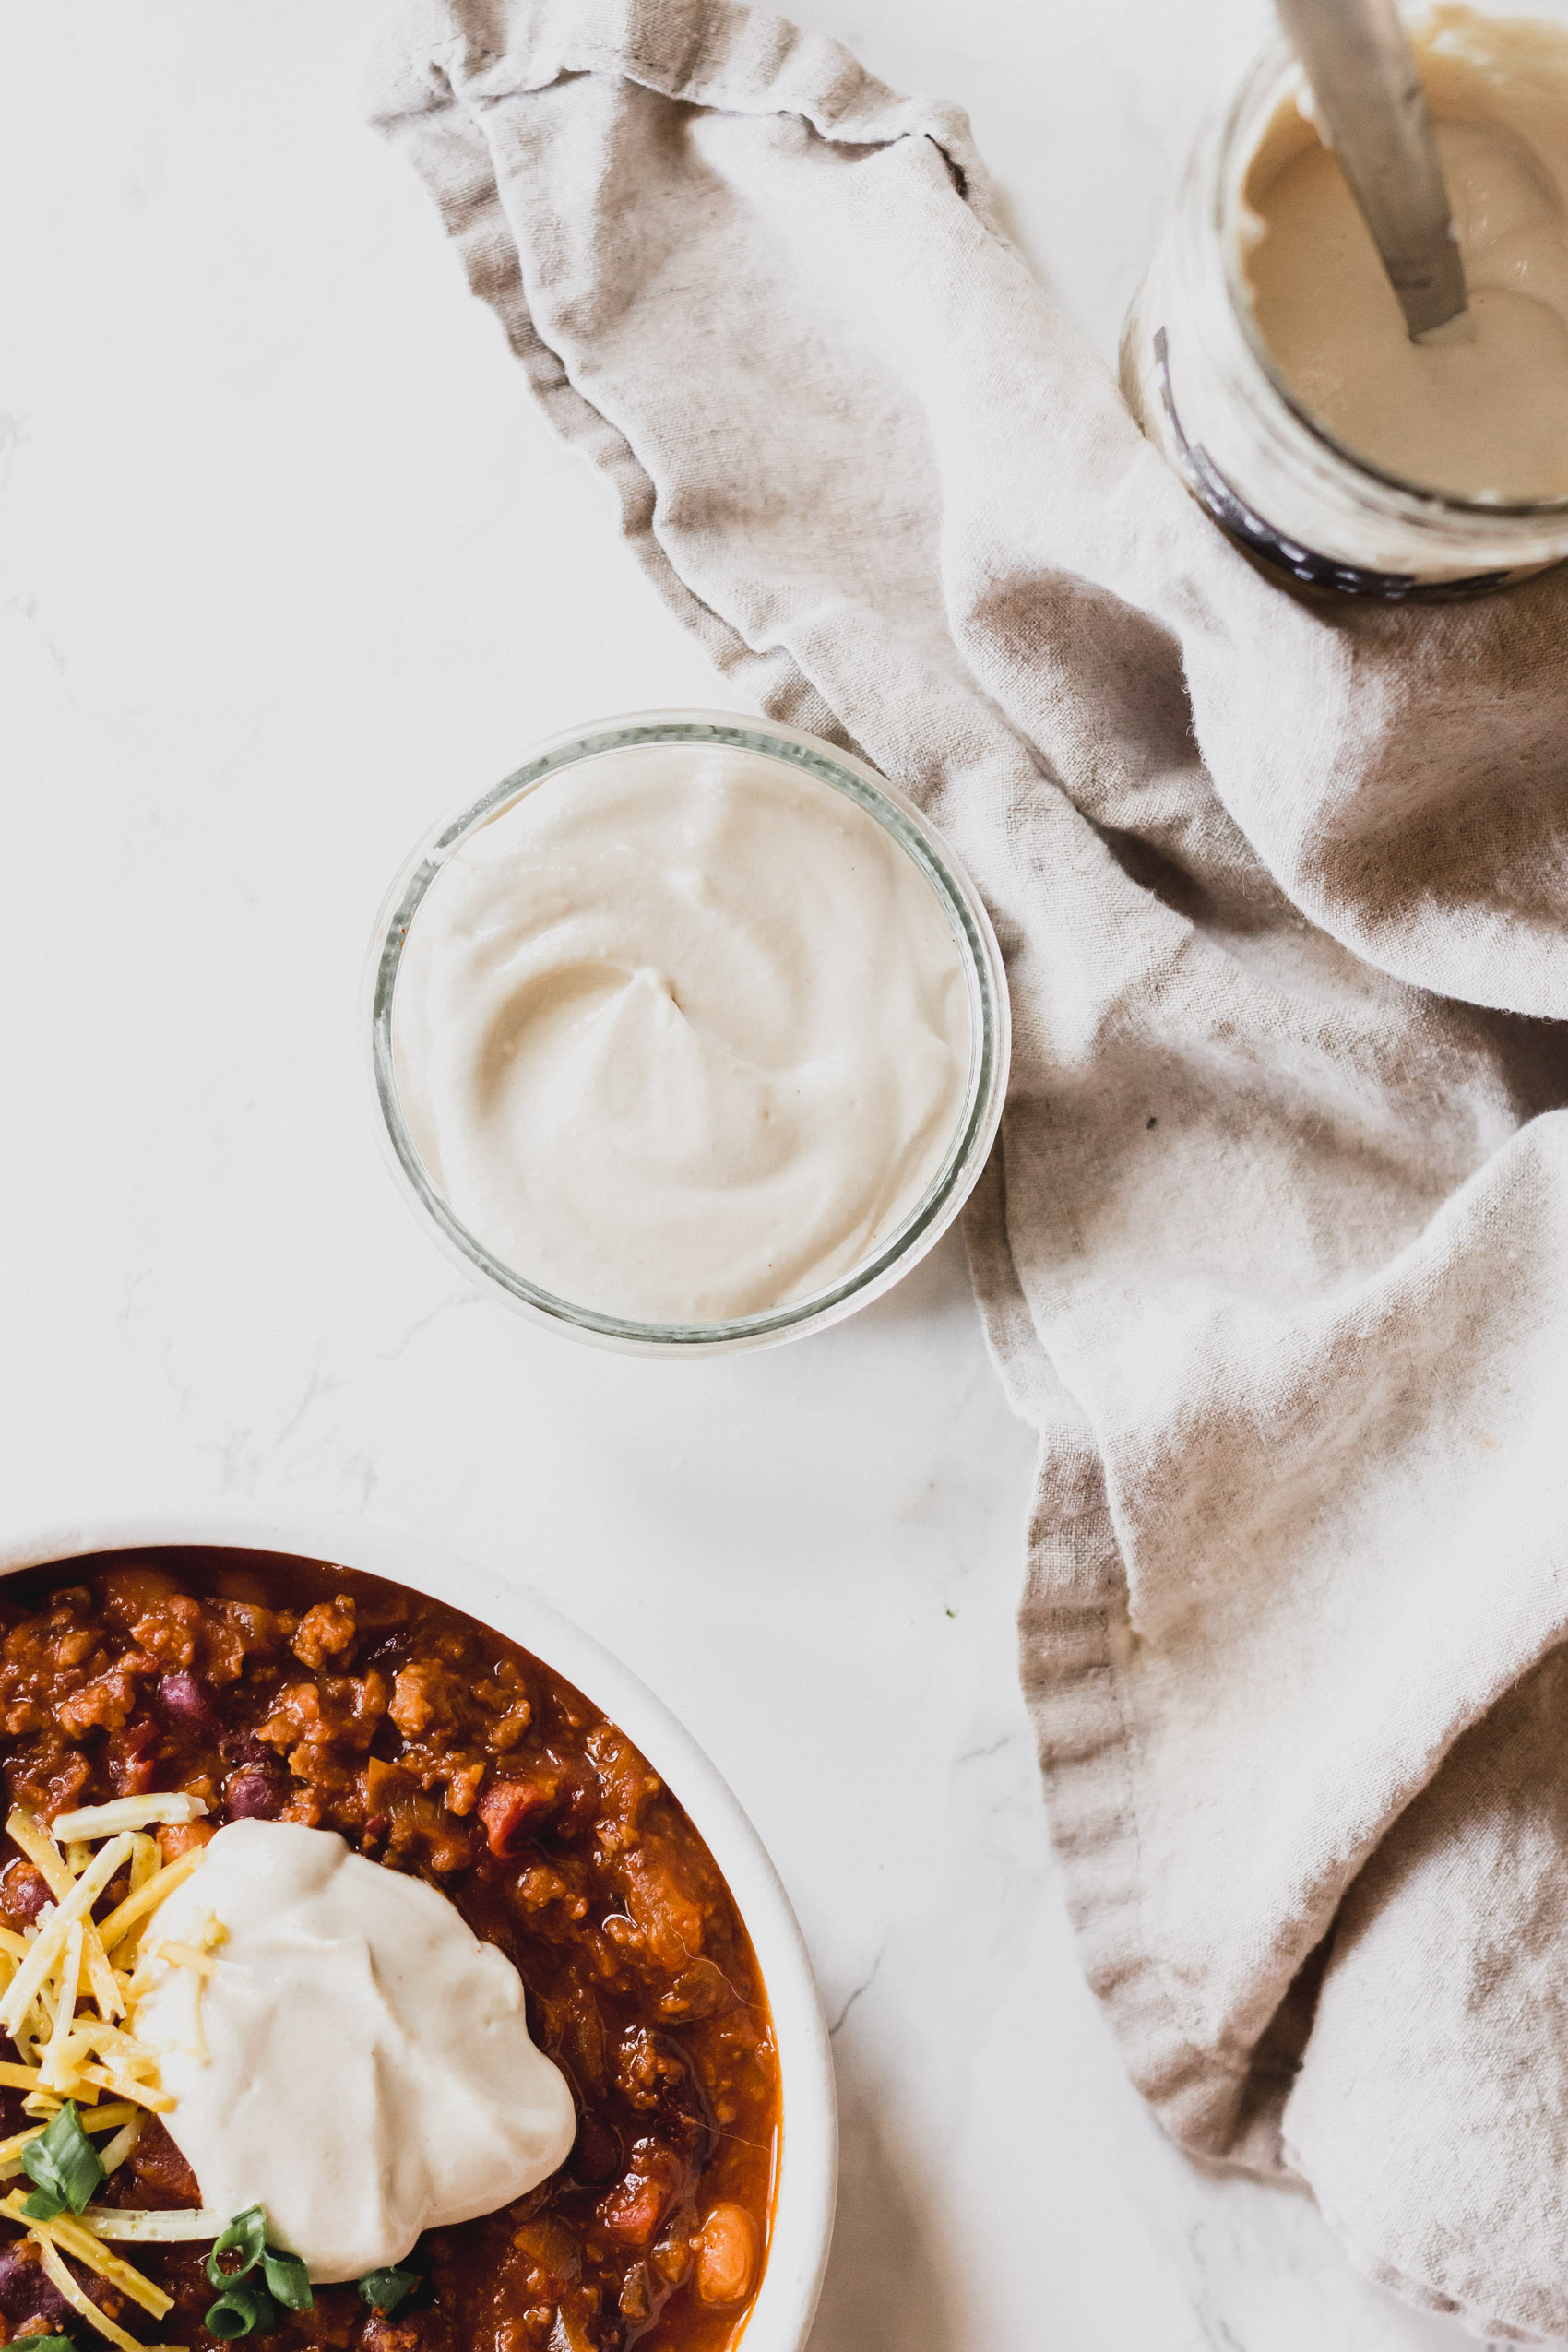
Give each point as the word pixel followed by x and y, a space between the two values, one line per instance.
pixel 144 2094
pixel 55 1975
pixel 128 1812
pixel 73 2237
pixel 114 2154
pixel 55 2069
pixel 70 2235
pixel 184 1955
pixel 61 2277
pixel 39 1844
pixel 146 1898
pixel 69 1987
pixel 48 1949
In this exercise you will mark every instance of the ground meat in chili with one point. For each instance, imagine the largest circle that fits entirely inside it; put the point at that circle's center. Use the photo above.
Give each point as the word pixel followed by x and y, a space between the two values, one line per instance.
pixel 296 1691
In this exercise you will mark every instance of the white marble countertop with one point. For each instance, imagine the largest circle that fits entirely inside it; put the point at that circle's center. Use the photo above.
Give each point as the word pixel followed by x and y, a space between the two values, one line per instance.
pixel 288 566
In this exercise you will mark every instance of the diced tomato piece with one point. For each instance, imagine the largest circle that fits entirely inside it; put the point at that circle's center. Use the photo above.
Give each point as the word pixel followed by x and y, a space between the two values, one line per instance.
pixel 508 1807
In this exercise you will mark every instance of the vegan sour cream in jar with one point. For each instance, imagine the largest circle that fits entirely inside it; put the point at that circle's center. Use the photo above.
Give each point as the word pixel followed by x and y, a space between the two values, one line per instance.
pixel 691 1031
pixel 1267 356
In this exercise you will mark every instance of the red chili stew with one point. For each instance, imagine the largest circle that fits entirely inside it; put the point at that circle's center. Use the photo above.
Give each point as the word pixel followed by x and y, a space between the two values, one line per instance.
pixel 291 1690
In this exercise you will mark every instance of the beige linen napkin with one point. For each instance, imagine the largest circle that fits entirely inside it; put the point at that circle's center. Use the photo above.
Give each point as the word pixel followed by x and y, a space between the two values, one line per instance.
pixel 1275 1253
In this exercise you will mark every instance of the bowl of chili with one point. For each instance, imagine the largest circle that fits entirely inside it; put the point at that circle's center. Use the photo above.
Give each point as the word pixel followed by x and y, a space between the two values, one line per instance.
pixel 454 1725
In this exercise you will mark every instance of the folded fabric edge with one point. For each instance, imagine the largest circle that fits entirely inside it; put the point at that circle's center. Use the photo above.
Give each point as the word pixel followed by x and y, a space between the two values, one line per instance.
pixel 755 63
pixel 446 146
pixel 1489 2326
pixel 1073 1628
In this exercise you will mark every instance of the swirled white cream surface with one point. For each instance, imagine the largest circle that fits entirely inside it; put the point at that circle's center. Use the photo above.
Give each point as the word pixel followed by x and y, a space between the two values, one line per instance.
pixel 682 1035
pixel 357 2062
pixel 1480 410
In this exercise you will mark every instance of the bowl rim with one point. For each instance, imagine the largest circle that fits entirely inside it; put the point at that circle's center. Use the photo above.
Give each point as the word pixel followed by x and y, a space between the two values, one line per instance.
pixel 780 2320
pixel 985 979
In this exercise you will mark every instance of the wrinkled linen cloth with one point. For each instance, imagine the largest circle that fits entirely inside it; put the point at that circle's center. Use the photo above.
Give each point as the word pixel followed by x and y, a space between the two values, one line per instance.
pixel 1274 1252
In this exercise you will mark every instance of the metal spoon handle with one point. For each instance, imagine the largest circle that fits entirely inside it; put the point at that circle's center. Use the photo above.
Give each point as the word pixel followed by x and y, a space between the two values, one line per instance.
pixel 1359 61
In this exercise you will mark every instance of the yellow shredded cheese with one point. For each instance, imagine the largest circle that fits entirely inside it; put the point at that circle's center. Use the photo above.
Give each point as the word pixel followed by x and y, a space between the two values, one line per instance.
pixel 145 1863
pixel 112 2155
pixel 54 2068
pixel 27 1831
pixel 143 1900
pixel 72 2239
pixel 68 2232
pixel 38 1844
pixel 110 2116
pixel 61 2277
pixel 48 1973
pixel 113 2042
pixel 184 1955
pixel 23 1989
pixel 104 1982
pixel 173 1806
pixel 144 2094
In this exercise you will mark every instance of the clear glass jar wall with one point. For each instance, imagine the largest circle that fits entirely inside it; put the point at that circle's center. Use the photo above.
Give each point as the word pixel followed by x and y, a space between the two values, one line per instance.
pixel 1201 382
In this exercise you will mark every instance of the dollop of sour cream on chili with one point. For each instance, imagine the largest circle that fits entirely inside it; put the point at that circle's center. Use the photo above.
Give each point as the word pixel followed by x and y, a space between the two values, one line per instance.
pixel 682 1034
pixel 357 2062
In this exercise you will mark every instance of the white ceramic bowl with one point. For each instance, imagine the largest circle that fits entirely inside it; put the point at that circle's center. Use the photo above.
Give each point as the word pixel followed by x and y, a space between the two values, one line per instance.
pixel 803 2226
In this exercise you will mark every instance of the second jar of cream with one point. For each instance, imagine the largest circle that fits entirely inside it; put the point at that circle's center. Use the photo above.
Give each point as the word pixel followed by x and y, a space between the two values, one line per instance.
pixel 1266 355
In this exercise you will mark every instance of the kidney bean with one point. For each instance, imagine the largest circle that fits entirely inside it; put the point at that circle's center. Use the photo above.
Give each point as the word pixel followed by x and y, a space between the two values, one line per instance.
pixel 244 1748
pixel 252 1796
pixel 26 2294
pixel 595 2157
pixel 23 1894
pixel 189 1700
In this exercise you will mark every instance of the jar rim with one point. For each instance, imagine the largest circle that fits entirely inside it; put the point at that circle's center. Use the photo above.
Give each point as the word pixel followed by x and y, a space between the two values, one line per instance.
pixel 975 1128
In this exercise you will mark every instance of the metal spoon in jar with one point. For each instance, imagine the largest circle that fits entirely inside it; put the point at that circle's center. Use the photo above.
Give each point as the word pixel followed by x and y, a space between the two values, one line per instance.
pixel 1368 98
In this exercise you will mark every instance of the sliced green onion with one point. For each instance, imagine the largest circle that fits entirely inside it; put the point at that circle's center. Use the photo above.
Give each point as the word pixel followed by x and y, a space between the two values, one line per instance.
pixel 385 2289
pixel 245 2236
pixel 250 2306
pixel 288 2278
pixel 242 2309
pixel 64 2164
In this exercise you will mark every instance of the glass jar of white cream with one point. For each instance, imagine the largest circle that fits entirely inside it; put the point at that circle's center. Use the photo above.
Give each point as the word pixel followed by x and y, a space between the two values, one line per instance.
pixel 690 1034
pixel 1265 354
